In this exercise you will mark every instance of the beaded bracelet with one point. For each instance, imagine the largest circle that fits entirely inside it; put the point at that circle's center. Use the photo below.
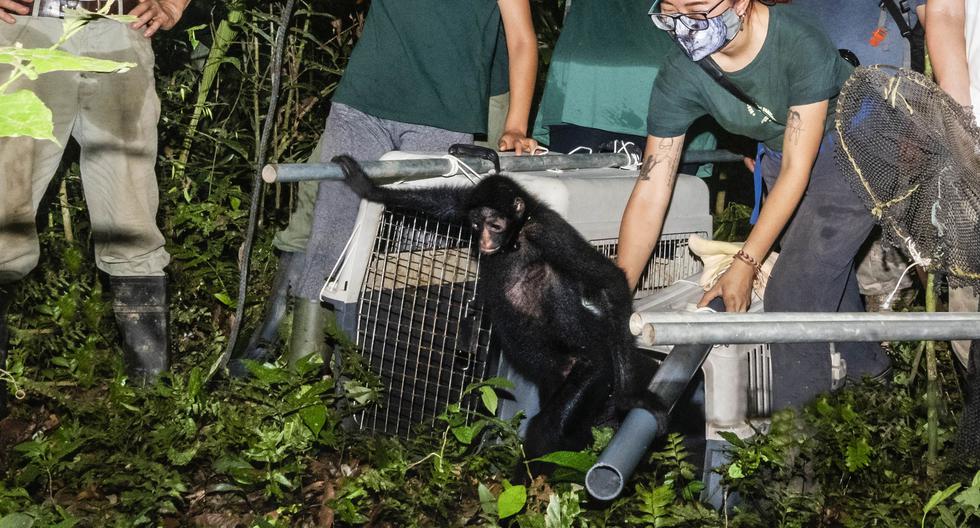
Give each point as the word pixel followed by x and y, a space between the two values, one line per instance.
pixel 746 258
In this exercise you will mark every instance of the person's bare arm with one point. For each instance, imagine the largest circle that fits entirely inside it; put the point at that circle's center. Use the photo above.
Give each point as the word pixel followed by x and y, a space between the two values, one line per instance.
pixel 804 132
pixel 946 40
pixel 522 51
pixel 9 8
pixel 155 15
pixel 644 216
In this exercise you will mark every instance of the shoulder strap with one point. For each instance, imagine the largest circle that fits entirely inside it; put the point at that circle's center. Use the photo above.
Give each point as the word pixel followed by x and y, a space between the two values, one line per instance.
pixel 897 9
pixel 714 71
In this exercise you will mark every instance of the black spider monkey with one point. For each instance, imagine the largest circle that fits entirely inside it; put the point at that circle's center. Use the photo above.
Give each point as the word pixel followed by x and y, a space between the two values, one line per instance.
pixel 560 308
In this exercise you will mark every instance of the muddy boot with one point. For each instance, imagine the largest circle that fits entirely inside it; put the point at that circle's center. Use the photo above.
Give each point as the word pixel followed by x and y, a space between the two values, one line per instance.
pixel 309 334
pixel 6 297
pixel 266 336
pixel 140 306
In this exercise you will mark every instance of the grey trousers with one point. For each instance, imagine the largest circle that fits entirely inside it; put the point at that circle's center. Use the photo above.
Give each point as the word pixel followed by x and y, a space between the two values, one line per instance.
pixel 113 116
pixel 363 137
pixel 815 273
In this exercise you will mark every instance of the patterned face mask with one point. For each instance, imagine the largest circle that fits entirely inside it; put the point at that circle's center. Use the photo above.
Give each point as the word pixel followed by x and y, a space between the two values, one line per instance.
pixel 699 43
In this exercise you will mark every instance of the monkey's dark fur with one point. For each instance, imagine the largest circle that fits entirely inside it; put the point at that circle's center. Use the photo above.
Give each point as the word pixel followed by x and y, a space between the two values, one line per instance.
pixel 560 308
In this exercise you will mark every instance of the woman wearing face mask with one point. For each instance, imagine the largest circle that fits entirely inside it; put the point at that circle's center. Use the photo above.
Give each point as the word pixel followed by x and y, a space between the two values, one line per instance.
pixel 786 76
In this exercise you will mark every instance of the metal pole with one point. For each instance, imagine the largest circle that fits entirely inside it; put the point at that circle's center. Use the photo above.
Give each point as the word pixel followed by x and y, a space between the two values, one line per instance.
pixel 417 169
pixel 803 332
pixel 813 332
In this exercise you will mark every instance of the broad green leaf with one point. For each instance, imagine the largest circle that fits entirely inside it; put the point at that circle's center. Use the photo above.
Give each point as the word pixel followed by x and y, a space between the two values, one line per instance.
pixel 280 478
pixel 17 520
pixel 225 299
pixel 858 455
pixel 23 114
pixel 466 433
pixel 489 398
pixel 735 471
pixel 488 503
pixel 314 417
pixel 937 498
pixel 732 438
pixel 511 501
pixel 570 459
pixel 496 382
pixel 45 60
pixel 358 392
pixel 182 458
pixel 969 497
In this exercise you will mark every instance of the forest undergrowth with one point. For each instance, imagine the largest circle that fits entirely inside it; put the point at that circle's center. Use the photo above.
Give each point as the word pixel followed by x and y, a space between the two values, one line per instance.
pixel 83 447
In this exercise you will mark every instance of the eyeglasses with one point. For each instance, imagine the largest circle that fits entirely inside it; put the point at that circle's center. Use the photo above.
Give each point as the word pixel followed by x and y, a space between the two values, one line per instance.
pixel 692 21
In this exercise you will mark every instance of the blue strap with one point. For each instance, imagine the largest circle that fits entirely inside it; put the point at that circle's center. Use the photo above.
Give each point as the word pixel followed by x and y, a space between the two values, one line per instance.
pixel 757 177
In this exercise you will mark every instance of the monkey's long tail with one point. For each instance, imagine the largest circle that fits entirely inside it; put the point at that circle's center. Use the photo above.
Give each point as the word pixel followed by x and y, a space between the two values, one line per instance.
pixel 253 210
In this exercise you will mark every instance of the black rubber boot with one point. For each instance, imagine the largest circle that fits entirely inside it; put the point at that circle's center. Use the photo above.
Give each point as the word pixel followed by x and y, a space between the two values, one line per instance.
pixel 140 306
pixel 266 336
pixel 6 297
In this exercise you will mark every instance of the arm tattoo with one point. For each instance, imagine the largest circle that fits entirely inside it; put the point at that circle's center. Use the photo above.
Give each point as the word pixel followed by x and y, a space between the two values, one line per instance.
pixel 664 154
pixel 647 168
pixel 794 126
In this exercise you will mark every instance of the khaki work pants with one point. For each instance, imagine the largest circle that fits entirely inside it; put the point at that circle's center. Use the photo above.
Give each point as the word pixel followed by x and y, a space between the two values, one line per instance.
pixel 113 117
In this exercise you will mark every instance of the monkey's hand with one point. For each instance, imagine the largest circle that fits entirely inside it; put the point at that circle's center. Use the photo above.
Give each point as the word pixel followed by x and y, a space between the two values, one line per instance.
pixel 356 179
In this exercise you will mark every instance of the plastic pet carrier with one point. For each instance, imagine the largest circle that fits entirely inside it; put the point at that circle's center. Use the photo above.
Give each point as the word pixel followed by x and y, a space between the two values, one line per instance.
pixel 407 289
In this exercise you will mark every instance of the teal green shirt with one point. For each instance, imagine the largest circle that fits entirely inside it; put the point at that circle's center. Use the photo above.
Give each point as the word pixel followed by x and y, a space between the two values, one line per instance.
pixel 603 69
pixel 424 62
pixel 797 65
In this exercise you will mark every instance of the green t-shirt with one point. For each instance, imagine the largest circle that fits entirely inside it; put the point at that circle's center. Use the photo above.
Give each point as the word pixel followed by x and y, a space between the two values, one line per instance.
pixel 603 69
pixel 797 65
pixel 500 69
pixel 424 62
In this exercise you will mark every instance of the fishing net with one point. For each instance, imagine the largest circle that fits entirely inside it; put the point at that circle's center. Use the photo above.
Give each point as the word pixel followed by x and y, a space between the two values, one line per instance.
pixel 913 155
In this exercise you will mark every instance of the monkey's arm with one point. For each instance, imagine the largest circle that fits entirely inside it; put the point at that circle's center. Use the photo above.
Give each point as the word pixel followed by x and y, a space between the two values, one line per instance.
pixel 444 203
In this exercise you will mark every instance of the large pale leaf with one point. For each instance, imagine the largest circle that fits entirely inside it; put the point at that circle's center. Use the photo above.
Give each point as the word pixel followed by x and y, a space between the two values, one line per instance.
pixel 75 19
pixel 17 520
pixel 44 60
pixel 22 113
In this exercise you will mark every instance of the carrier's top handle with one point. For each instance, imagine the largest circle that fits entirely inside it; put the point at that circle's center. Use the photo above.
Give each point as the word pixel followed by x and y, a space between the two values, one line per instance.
pixel 476 151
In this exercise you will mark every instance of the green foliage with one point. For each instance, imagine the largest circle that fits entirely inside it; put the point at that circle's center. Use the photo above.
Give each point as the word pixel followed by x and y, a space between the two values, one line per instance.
pixel 854 458
pixel 964 510
pixel 92 450
pixel 732 225
pixel 671 499
pixel 22 113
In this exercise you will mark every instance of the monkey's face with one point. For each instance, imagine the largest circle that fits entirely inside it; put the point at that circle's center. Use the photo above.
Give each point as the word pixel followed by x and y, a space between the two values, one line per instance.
pixel 493 229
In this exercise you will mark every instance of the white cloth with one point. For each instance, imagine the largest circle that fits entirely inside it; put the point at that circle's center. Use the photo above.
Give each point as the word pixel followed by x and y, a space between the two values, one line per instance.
pixel 718 256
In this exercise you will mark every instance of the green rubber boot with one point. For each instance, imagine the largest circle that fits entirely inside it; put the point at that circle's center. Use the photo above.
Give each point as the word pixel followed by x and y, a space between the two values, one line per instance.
pixel 309 333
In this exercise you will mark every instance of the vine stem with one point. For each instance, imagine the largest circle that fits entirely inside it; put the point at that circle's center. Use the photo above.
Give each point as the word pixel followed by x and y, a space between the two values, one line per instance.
pixel 932 387
pixel 267 129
